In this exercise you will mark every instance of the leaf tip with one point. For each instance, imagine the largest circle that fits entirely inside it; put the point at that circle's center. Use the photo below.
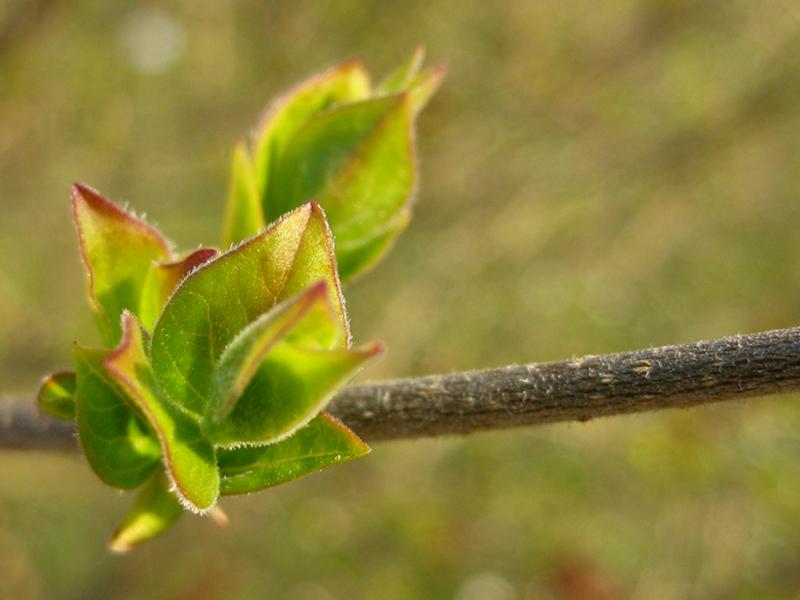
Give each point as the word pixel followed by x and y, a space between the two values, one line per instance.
pixel 88 198
pixel 440 71
pixel 118 545
pixel 80 191
pixel 94 201
pixel 121 541
pixel 126 320
pixel 352 64
pixel 219 516
pixel 373 349
pixel 113 362
pixel 313 207
pixel 56 395
pixel 359 447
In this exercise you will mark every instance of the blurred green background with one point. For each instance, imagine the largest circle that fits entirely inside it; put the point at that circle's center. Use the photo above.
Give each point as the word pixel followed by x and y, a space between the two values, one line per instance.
pixel 596 177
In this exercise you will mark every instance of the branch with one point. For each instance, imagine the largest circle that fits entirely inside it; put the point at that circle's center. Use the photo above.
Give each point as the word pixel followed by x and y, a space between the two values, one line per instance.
pixel 573 390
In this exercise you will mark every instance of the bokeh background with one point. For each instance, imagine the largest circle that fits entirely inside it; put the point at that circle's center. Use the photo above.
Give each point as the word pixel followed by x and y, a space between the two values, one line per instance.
pixel 596 177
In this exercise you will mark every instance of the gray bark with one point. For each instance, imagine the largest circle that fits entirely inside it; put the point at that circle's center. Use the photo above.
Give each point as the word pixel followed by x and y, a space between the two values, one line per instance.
pixel 573 390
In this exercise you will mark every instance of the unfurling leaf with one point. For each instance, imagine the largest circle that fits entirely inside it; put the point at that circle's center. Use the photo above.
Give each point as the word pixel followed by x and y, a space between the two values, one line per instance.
pixel 153 512
pixel 350 148
pixel 243 215
pixel 356 161
pixel 421 86
pixel 162 281
pixel 118 251
pixel 189 458
pixel 275 377
pixel 286 115
pixel 322 443
pixel 307 319
pixel 215 303
pixel 56 395
pixel 424 86
pixel 117 442
pixel 402 77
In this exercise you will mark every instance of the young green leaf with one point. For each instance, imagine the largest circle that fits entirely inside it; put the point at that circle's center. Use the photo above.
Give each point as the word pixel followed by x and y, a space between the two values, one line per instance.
pixel 189 459
pixel 307 319
pixel 281 371
pixel 244 217
pixel 117 443
pixel 359 256
pixel 56 395
pixel 118 250
pixel 216 302
pixel 162 281
pixel 407 78
pixel 346 83
pixel 289 388
pixel 399 79
pixel 357 162
pixel 153 512
pixel 322 443
pixel 424 86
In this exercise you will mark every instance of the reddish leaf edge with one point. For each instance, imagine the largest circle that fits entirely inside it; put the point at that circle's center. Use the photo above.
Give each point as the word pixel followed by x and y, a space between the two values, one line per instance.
pixel 274 107
pixel 102 205
pixel 54 377
pixel 129 322
pixel 313 209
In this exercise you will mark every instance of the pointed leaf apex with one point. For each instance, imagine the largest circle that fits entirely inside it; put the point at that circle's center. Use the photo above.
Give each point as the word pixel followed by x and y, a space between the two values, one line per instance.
pixel 315 209
pixel 323 443
pixel 312 206
pixel 129 325
pixel 118 250
pixel 439 72
pixel 153 512
pixel 352 64
pixel 359 446
pixel 317 291
pixel 118 546
pixel 373 349
pixel 56 395
pixel 219 516
pixel 101 205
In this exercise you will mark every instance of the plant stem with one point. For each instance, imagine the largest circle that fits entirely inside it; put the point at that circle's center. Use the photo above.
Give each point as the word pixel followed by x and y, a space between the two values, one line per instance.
pixel 573 390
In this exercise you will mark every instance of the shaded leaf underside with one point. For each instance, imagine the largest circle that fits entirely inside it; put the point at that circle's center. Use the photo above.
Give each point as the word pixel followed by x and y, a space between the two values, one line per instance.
pixel 153 512
pixel 322 443
pixel 56 395
pixel 117 443
pixel 189 459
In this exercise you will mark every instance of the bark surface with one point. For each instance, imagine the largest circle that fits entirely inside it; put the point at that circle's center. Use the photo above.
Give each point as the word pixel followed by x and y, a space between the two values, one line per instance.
pixel 580 389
